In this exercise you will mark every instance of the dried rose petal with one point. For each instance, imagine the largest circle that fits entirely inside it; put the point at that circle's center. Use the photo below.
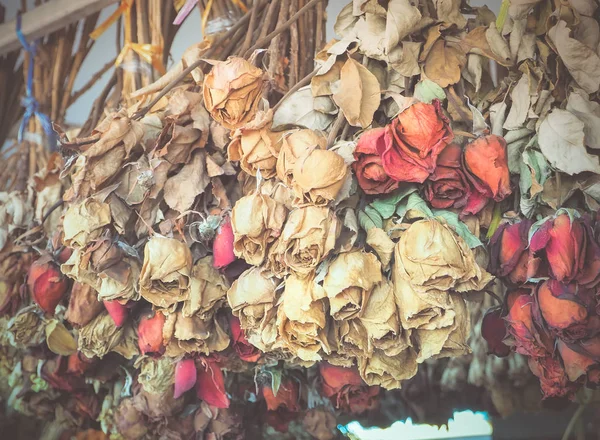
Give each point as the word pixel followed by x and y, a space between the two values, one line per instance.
pixel 223 253
pixel 487 165
pixel 287 396
pixel 185 377
pixel 246 351
pixel 117 311
pixel 508 251
pixel 150 333
pixel 368 167
pixel 210 385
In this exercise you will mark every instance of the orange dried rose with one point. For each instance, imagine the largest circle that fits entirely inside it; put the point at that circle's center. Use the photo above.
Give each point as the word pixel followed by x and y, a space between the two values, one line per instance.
pixel 232 91
pixel 150 333
pixel 487 165
pixel 509 255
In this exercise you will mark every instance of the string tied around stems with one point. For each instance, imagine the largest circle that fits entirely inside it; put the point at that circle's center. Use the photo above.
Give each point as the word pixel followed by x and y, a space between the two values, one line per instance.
pixel 29 102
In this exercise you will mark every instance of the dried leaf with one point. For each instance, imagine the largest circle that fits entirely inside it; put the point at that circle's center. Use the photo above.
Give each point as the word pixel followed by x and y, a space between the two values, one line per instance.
pixel 444 64
pixel 402 19
pixel 181 189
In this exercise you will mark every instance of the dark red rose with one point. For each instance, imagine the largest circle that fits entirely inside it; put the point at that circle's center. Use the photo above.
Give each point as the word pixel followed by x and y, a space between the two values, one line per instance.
pixel 509 256
pixel 210 384
pixel 368 167
pixel 493 330
pixel 47 285
pixel 447 186
pixel 413 142
pixel 287 396
pixel 521 326
pixel 246 351
pixel 346 389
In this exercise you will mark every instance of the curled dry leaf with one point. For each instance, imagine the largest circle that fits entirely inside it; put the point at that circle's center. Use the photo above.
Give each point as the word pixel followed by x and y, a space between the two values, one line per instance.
pixel 444 63
pixel 359 94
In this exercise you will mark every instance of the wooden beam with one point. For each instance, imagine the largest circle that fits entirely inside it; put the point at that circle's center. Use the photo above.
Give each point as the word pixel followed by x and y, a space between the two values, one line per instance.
pixel 47 18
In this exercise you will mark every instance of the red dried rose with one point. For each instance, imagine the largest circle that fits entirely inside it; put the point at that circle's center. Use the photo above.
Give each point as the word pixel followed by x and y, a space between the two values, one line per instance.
pixel 47 285
pixel 185 377
pixel 347 390
pixel 447 186
pixel 578 363
pixel 368 167
pixel 553 378
pixel 486 164
pixel 589 274
pixel 210 384
pixel 150 333
pixel 413 141
pixel 563 308
pixel 78 364
pixel 246 351
pixel 493 330
pixel 520 324
pixel 509 256
pixel 287 396
pixel 117 311
pixel 223 254
pixel 562 243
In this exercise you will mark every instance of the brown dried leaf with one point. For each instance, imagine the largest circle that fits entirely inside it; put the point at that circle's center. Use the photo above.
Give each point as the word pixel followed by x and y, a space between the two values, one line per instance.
pixel 444 64
pixel 181 189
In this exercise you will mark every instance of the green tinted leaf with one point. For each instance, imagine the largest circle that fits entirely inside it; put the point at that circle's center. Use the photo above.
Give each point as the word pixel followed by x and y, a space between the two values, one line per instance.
pixel 275 380
pixel 496 217
pixel 416 203
pixel 427 91
pixel 370 218
pixel 459 227
pixel 386 206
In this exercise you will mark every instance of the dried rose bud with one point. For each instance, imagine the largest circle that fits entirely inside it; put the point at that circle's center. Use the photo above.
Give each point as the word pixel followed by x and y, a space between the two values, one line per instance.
pixel 223 245
pixel 150 333
pixel 553 378
pixel 83 305
pixel 232 91
pixel 413 142
pixel 336 378
pixel 256 147
pixel 130 423
pixel 493 330
pixel 117 311
pixel 47 285
pixel 287 396
pixel 246 351
pixel 509 253
pixel 318 177
pixel 562 242
pixel 185 376
pixel 210 385
pixel 487 166
pixel 257 221
pixel 368 168
pixel 521 325
pixel 562 308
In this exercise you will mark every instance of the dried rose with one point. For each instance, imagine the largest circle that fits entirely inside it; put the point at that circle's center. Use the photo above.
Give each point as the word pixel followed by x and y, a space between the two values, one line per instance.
pixel 117 311
pixel 165 275
pixel 256 147
pixel 78 364
pixel 348 340
pixel 84 222
pixel 257 221
pixel 99 337
pixel 562 243
pixel 208 289
pixel 26 329
pixel 117 271
pixel 487 166
pixel 83 305
pixel 577 362
pixel 368 167
pixel 413 142
pixel 60 340
pixel 232 91
pixel 210 384
pixel 509 254
pixel 433 258
pixel 150 333
pixel 553 378
pixel 156 375
pixel 252 299
pixel 347 389
pixel 447 186
pixel 186 335
pixel 318 176
pixel 296 144
pixel 521 326
pixel 302 319
pixel 185 377
pixel 47 285
pixel 246 351
pixel 130 423
pixel 388 371
pixel 493 330
pixel 287 396
pixel 308 236
pixel 563 308
pixel 223 254
pixel 380 318
pixel 349 282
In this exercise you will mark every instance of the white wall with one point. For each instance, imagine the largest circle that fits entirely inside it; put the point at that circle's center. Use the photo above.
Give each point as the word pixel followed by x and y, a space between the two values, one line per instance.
pixel 105 49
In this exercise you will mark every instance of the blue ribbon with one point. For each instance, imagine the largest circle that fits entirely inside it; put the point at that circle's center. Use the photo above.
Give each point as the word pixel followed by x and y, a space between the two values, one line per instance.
pixel 28 101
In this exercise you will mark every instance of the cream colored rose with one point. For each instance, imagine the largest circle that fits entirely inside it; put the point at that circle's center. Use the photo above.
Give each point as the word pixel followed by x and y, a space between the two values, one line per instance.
pixel 295 145
pixel 232 91
pixel 208 290
pixel 257 221
pixel 318 177
pixel 302 318
pixel 433 258
pixel 185 335
pixel 308 236
pixel 252 299
pixel 388 371
pixel 165 274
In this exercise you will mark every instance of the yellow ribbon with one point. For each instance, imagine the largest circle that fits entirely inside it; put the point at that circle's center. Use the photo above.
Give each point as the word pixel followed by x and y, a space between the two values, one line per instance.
pixel 124 7
pixel 240 4
pixel 150 53
pixel 205 16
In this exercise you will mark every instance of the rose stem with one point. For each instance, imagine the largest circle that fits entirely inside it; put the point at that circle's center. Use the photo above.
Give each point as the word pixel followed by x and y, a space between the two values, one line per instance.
pixel 294 47
pixel 304 81
pixel 335 129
